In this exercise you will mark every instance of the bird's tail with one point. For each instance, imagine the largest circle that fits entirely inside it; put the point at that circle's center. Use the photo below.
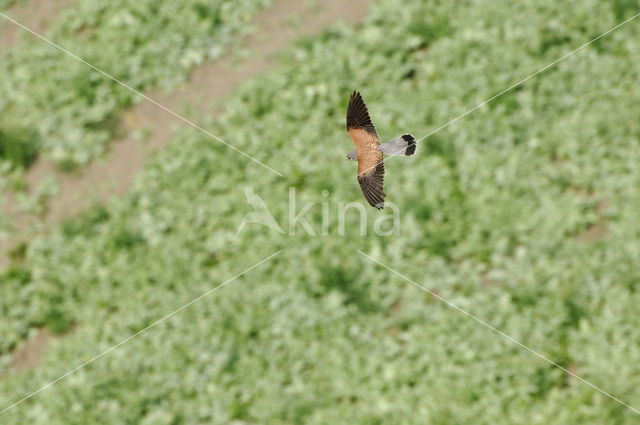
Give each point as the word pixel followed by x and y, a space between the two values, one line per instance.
pixel 402 146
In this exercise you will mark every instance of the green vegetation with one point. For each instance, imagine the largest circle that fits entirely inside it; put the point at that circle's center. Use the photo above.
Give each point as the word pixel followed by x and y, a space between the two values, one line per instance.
pixel 18 147
pixel 494 211
pixel 142 43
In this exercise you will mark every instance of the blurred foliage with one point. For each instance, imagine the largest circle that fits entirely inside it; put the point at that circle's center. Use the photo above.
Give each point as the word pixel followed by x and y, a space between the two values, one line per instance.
pixel 493 213
pixel 142 43
pixel 6 3
pixel 18 147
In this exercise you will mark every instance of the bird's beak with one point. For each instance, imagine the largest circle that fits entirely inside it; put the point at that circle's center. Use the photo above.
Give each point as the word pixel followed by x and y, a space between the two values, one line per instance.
pixel 346 158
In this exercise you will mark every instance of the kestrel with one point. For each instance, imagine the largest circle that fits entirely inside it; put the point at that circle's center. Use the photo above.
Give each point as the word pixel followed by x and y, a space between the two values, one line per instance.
pixel 370 153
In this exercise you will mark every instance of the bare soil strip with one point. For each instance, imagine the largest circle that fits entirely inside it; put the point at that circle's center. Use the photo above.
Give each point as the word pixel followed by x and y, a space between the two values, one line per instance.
pixel 28 355
pixel 35 14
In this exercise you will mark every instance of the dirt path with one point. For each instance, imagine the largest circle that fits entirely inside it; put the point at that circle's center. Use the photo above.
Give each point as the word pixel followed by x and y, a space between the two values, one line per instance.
pixel 113 174
pixel 28 356
pixel 35 14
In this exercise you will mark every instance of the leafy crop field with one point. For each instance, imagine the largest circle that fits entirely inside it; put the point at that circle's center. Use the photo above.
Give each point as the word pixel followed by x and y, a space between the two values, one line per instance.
pixel 523 213
pixel 71 108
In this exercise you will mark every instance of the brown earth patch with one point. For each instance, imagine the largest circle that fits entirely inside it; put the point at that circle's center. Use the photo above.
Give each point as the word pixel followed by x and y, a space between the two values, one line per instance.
pixel 593 233
pixel 34 14
pixel 598 230
pixel 29 354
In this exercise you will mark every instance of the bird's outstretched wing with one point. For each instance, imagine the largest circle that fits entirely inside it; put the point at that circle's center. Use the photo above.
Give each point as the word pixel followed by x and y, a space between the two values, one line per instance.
pixel 370 158
pixel 358 118
pixel 372 185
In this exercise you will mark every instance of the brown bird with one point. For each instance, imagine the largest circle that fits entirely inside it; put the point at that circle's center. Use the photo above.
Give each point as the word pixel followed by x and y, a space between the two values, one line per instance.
pixel 370 153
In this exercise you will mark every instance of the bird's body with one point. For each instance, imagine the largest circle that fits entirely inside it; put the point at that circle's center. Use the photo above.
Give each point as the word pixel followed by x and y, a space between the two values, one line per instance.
pixel 369 152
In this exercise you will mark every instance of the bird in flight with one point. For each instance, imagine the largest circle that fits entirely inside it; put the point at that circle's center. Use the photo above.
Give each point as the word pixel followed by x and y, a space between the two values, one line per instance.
pixel 370 153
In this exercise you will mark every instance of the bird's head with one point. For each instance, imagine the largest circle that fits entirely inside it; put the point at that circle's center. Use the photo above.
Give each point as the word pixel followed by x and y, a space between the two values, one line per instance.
pixel 351 156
